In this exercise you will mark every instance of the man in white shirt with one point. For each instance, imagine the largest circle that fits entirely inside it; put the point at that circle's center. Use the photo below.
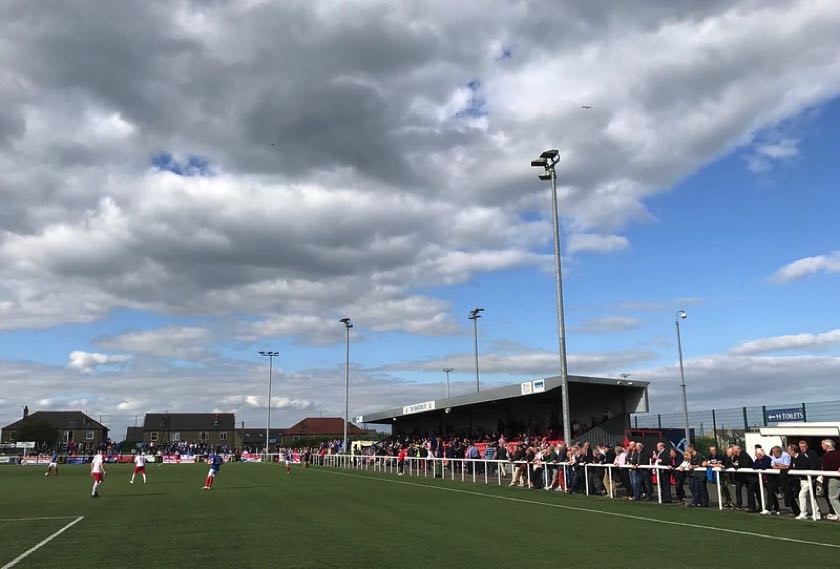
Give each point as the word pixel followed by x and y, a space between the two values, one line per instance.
pixel 139 467
pixel 97 472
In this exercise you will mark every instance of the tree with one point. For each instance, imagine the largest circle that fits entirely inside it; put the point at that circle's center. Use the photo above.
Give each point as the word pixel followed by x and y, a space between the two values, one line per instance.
pixel 40 432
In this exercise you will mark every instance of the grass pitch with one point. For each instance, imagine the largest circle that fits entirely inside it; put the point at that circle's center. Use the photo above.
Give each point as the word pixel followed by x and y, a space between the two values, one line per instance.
pixel 256 516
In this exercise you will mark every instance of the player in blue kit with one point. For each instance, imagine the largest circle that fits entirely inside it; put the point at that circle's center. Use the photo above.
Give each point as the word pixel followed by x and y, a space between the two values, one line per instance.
pixel 215 460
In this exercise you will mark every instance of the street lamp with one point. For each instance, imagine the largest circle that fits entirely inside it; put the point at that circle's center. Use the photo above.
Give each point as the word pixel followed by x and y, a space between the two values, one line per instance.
pixel 547 162
pixel 474 315
pixel 682 315
pixel 447 371
pixel 347 325
pixel 270 356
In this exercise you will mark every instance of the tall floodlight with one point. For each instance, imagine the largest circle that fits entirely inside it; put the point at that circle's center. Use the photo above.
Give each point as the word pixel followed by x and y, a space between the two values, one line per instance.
pixel 270 356
pixel 682 315
pixel 474 315
pixel 447 371
pixel 347 325
pixel 547 162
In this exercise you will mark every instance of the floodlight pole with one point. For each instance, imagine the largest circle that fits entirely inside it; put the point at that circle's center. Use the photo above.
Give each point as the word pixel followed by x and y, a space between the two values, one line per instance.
pixel 683 314
pixel 270 356
pixel 347 325
pixel 548 160
pixel 474 315
pixel 447 371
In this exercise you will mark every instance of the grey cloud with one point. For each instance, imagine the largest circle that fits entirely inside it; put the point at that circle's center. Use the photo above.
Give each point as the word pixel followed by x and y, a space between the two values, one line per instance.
pixel 382 177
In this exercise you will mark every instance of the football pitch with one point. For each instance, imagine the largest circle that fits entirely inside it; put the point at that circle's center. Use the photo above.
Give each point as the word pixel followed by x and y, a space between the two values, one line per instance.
pixel 257 516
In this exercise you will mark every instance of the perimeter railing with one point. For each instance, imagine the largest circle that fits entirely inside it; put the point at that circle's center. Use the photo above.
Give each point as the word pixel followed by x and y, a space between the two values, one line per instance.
pixel 525 473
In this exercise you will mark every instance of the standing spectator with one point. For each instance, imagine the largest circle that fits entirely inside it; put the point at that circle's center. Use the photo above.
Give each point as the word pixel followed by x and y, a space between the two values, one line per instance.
pixel 831 463
pixel 623 477
pixel 663 477
pixel 501 454
pixel 675 461
pixel 716 460
pixel 699 490
pixel 634 459
pixel 401 461
pixel 792 489
pixel 779 461
pixel 807 460
pixel 747 481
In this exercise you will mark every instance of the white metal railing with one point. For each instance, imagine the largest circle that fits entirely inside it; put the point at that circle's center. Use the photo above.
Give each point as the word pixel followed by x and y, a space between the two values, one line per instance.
pixel 476 469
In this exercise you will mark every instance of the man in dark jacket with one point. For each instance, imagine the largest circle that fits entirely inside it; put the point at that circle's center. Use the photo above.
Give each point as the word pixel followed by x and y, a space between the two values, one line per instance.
pixel 748 481
pixel 663 477
pixel 718 459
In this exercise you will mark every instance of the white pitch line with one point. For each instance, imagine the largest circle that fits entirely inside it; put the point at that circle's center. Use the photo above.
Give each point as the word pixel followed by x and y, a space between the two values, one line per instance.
pixel 38 519
pixel 34 548
pixel 579 509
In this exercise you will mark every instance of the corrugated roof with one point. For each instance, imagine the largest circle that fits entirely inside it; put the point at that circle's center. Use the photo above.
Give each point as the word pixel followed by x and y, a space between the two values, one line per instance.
pixel 504 392
pixel 189 422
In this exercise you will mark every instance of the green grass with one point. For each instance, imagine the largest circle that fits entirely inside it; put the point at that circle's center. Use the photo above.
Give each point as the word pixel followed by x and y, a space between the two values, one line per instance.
pixel 256 516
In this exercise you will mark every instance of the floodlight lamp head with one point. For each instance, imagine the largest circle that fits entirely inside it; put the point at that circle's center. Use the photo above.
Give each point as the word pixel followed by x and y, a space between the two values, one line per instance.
pixel 550 154
pixel 544 176
pixel 346 322
pixel 682 314
pixel 539 163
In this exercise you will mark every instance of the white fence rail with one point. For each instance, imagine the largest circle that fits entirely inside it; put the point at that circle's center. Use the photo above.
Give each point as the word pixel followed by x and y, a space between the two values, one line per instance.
pixel 479 471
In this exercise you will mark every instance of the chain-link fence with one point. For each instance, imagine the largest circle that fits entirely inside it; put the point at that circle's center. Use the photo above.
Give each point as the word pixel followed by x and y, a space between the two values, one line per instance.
pixel 724 423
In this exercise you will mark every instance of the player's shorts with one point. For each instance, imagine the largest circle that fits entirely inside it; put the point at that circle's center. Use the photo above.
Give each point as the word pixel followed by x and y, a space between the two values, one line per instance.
pixel 97 476
pixel 139 470
pixel 212 472
pixel 52 465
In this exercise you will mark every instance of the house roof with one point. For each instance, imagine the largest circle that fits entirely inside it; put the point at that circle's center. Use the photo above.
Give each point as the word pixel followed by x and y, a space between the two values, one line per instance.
pixel 60 420
pixel 189 422
pixel 258 435
pixel 134 434
pixel 321 426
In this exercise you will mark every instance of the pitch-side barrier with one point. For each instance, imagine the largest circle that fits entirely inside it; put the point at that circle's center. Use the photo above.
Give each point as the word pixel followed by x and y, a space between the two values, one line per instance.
pixel 489 471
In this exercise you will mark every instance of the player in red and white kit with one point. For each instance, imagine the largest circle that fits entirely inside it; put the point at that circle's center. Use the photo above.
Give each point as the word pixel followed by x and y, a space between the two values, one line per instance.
pixel 97 472
pixel 139 467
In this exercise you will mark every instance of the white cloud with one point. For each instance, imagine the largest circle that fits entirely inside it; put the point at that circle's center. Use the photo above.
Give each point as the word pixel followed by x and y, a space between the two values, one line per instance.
pixel 87 362
pixel 608 324
pixel 807 266
pixel 182 342
pixel 582 242
pixel 789 342
pixel 761 160
pixel 531 363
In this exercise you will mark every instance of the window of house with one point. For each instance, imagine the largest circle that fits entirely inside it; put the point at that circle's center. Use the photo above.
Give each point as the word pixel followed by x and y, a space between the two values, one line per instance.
pixel 204 436
pixel 153 436
pixel 176 436
pixel 68 436
pixel 222 436
pixel 12 435
pixel 89 434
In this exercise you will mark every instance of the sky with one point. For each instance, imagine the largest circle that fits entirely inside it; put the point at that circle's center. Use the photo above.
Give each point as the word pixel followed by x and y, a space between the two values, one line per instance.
pixel 186 184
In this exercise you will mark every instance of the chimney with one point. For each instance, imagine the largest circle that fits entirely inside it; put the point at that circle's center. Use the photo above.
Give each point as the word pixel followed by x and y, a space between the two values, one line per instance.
pixel 26 411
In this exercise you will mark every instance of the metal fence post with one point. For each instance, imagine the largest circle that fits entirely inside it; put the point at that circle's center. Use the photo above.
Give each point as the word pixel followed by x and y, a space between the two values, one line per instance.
pixel 764 415
pixel 714 428
pixel 804 415
pixel 746 422
pixel 659 420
